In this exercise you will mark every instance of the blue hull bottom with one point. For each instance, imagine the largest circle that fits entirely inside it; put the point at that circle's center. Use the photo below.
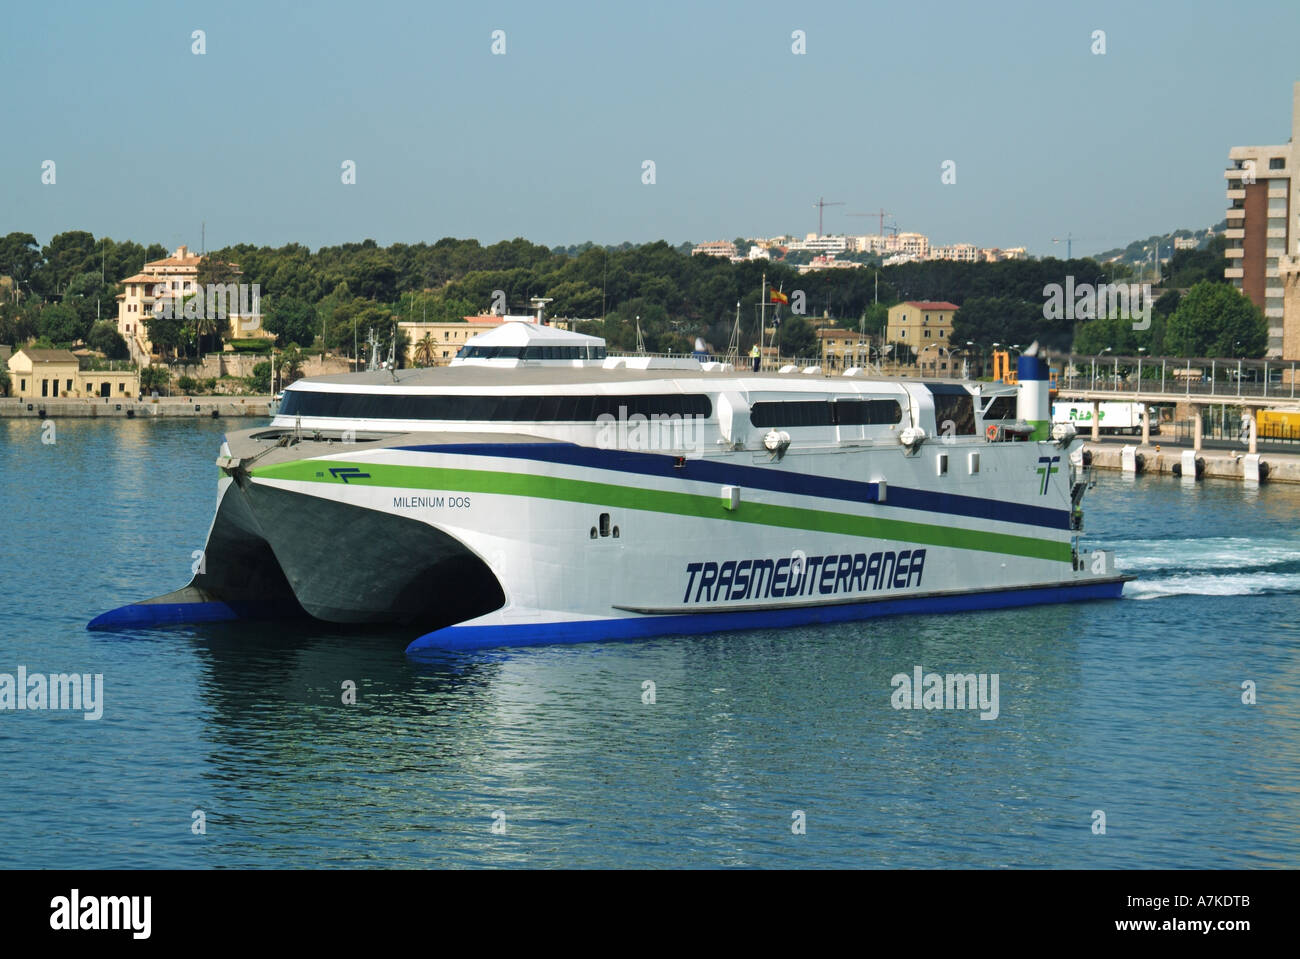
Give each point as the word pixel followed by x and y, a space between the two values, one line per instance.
pixel 139 615
pixel 486 637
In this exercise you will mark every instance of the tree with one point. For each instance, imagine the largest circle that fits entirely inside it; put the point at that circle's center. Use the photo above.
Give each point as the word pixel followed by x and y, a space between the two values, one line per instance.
pixel 1186 268
pixel 291 320
pixel 1113 333
pixel 260 380
pixel 796 337
pixel 19 255
pixel 105 338
pixel 66 255
pixel 90 297
pixel 154 378
pixel 290 365
pixel 1215 319
pixel 424 351
pixel 166 333
pixel 216 271
pixel 59 323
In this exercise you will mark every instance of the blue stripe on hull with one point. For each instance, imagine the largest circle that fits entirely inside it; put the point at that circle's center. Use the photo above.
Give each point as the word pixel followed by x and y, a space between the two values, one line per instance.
pixel 760 477
pixel 485 637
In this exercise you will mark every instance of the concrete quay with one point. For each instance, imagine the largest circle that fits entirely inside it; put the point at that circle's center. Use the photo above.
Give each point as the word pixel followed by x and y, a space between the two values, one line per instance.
pixel 1210 464
pixel 129 407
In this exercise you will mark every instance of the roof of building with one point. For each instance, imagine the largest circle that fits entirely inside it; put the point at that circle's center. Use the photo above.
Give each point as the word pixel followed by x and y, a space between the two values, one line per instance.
pixel 933 305
pixel 48 356
pixel 181 257
pixel 144 278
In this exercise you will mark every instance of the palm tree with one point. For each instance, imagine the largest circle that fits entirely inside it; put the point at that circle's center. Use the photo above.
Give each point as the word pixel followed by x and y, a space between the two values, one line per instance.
pixel 424 351
pixel 290 364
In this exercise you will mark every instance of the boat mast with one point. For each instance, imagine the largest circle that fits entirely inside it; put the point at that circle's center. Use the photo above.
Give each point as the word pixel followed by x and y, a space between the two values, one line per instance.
pixel 733 346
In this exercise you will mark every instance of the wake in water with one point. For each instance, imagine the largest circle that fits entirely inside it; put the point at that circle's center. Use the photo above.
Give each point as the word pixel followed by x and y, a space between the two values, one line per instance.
pixel 1209 566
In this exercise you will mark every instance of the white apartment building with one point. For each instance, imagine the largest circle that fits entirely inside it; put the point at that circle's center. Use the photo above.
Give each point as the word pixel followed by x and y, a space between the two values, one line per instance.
pixel 821 244
pixel 724 248
pixel 960 252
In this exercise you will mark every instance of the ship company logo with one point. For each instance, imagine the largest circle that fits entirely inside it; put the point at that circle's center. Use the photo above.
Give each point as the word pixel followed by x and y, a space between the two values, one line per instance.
pixel 346 473
pixel 1046 467
pixel 799 575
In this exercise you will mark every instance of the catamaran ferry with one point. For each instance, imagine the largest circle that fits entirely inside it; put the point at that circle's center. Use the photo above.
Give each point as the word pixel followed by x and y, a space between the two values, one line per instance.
pixel 538 490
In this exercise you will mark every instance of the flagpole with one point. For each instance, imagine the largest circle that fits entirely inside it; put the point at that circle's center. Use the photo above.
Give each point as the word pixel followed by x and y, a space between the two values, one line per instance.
pixel 762 319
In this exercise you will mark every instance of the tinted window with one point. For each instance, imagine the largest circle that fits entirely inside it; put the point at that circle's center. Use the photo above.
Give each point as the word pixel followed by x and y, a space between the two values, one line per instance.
pixel 1002 408
pixel 785 414
pixel 546 409
pixel 959 408
pixel 532 352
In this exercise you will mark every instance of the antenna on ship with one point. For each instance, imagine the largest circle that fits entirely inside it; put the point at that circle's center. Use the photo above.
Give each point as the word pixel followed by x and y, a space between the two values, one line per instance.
pixel 640 340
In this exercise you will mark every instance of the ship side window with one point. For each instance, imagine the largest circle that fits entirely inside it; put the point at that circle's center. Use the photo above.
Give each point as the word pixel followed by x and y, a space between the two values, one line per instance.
pixel 868 412
pixel 956 406
pixel 1001 408
pixel 604 524
pixel 786 414
pixel 549 408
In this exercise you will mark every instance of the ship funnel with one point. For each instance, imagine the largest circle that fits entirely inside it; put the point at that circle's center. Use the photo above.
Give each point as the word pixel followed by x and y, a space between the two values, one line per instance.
pixel 1033 404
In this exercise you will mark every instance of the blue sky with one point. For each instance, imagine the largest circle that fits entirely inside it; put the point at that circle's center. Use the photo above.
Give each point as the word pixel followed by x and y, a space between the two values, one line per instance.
pixel 547 141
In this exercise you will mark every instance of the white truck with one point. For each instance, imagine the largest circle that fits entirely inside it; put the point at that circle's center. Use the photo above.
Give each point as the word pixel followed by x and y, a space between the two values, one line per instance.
pixel 1112 417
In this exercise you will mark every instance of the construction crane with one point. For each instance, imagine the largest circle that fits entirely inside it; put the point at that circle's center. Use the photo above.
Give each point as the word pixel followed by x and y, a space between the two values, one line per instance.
pixel 821 205
pixel 1069 239
pixel 880 214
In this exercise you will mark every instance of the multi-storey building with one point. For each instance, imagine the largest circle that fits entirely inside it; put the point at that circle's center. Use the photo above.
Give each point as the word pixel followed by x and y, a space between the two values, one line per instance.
pixel 172 279
pixel 961 252
pixel 445 337
pixel 1263 229
pixel 920 323
pixel 723 248
pixel 842 349
pixel 821 244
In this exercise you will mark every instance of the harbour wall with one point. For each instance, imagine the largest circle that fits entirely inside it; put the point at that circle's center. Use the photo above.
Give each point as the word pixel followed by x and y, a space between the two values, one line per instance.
pixel 96 408
pixel 1218 464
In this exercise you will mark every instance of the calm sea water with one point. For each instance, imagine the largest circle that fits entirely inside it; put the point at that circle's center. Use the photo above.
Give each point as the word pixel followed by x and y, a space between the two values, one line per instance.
pixel 1132 707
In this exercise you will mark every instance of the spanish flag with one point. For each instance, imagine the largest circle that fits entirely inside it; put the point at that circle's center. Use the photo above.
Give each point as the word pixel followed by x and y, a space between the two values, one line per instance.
pixel 778 297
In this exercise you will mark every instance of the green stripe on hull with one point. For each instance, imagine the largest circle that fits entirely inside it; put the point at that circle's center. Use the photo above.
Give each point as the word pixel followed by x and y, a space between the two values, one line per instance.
pixel 664 501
